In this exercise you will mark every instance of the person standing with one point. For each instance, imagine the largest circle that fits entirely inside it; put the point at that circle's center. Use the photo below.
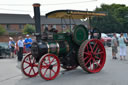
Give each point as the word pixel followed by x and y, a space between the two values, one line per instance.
pixel 89 35
pixel 16 48
pixel 11 46
pixel 122 46
pixel 27 43
pixel 20 48
pixel 114 45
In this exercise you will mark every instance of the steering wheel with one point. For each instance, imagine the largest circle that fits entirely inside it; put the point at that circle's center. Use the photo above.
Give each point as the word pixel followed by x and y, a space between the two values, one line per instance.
pixel 95 33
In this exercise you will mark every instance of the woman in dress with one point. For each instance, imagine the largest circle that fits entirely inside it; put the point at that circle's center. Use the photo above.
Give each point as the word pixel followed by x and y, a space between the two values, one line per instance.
pixel 122 46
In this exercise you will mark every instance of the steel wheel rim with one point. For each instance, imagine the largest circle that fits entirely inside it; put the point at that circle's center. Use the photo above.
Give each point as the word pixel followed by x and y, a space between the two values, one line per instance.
pixel 49 66
pixel 94 56
pixel 29 68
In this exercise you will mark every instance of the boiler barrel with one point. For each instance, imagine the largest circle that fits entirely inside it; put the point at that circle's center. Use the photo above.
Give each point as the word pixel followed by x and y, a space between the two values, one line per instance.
pixel 55 47
pixel 58 47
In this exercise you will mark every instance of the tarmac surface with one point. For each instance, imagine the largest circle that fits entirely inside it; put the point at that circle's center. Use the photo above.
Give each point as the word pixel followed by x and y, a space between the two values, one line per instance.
pixel 115 72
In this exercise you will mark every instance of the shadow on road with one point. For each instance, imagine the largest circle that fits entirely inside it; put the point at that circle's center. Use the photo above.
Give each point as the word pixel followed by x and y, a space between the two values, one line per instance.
pixel 64 76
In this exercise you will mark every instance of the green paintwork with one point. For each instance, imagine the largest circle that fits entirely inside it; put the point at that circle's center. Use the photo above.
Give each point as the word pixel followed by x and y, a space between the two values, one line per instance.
pixel 63 37
pixel 59 36
pixel 80 34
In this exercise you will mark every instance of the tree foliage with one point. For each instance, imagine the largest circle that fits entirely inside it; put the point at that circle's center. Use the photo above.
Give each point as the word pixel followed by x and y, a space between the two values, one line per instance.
pixel 115 21
pixel 2 30
pixel 28 29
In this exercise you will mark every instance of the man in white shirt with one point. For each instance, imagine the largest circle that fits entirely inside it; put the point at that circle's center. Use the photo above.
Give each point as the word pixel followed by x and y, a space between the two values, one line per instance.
pixel 20 48
pixel 11 47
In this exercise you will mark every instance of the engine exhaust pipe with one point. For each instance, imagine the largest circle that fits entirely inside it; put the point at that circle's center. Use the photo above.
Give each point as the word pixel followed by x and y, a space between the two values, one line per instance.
pixel 36 7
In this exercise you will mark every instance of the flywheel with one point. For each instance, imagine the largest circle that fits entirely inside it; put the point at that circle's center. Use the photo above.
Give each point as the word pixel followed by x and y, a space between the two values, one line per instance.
pixel 80 34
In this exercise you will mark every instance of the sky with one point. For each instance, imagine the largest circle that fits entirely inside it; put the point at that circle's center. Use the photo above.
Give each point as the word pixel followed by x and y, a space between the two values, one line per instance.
pixel 25 6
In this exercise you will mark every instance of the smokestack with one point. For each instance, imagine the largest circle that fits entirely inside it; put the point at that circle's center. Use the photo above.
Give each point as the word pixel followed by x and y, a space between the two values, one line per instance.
pixel 36 7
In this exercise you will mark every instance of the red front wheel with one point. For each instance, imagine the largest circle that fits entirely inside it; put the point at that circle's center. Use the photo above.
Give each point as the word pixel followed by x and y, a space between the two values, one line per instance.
pixel 49 66
pixel 29 66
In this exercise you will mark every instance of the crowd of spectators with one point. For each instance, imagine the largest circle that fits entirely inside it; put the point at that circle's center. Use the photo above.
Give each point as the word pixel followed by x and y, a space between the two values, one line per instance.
pixel 20 46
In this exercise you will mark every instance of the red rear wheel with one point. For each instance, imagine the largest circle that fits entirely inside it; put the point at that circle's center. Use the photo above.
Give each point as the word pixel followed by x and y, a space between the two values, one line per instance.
pixel 92 55
pixel 49 66
pixel 29 66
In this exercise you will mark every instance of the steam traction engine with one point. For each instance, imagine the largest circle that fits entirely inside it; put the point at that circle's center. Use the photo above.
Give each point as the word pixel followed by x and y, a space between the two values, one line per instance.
pixel 67 50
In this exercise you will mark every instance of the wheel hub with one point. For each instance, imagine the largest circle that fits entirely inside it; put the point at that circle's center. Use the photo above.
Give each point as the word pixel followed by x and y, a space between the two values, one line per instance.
pixel 92 54
pixel 31 65
pixel 50 67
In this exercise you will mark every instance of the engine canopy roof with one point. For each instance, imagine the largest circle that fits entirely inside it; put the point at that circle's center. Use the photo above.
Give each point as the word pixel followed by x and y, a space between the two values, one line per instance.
pixel 75 14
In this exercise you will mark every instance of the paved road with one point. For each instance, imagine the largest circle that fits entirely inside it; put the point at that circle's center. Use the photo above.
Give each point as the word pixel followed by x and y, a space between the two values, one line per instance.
pixel 115 72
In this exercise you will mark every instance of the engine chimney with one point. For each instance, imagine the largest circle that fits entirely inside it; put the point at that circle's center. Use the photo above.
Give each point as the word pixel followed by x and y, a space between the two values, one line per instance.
pixel 37 21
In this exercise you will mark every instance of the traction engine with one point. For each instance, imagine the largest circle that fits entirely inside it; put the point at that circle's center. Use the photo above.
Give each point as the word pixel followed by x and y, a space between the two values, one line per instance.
pixel 53 50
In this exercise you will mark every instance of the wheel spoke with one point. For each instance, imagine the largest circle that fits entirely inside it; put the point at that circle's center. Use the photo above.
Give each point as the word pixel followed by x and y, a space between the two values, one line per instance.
pixel 26 67
pixel 96 49
pixel 86 53
pixel 52 61
pixel 53 71
pixel 99 53
pixel 55 65
pixel 34 61
pixel 85 58
pixel 33 70
pixel 35 65
pixel 30 70
pixel 29 59
pixel 97 62
pixel 90 47
pixel 46 63
pixel 94 45
pixel 87 48
pixel 27 62
pixel 98 57
pixel 87 61
pixel 49 59
pixel 44 66
pixel 45 71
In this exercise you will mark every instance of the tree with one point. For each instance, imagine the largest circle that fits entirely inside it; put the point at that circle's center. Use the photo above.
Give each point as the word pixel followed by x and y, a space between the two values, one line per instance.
pixel 2 30
pixel 28 29
pixel 122 16
pixel 107 24
pixel 115 21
